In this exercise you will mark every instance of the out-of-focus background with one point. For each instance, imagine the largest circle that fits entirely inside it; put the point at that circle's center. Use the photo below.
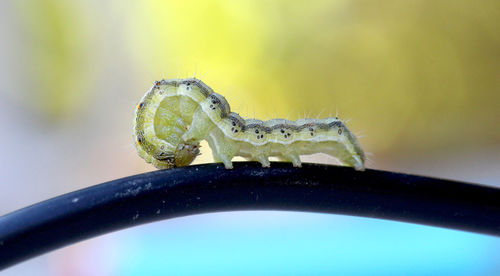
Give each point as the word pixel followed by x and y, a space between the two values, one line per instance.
pixel 419 80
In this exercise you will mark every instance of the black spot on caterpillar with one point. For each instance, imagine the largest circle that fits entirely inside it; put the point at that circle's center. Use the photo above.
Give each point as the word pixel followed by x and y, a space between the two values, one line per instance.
pixel 175 115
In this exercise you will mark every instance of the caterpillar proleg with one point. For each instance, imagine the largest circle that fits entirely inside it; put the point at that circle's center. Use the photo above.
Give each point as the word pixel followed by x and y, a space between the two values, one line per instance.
pixel 175 115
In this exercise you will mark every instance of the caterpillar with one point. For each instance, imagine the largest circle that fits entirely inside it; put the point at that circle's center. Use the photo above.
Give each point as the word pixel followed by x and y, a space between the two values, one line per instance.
pixel 175 115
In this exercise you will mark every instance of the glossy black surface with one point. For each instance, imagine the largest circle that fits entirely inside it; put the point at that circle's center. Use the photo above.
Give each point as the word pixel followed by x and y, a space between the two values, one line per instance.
pixel 207 188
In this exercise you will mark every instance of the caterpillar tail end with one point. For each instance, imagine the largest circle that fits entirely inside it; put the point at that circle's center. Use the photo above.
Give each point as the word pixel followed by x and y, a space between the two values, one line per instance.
pixel 359 164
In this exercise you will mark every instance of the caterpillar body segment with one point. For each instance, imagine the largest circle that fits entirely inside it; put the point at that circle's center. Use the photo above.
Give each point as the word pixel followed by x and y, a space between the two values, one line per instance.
pixel 159 126
pixel 178 114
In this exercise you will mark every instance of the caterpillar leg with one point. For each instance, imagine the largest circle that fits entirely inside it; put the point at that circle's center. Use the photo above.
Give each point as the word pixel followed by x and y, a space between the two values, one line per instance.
pixel 358 164
pixel 347 159
pixel 223 149
pixel 200 127
pixel 263 160
pixel 223 159
pixel 294 158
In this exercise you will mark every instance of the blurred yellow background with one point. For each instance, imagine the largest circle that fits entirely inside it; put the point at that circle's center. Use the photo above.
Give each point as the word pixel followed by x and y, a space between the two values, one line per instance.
pixel 412 75
pixel 419 80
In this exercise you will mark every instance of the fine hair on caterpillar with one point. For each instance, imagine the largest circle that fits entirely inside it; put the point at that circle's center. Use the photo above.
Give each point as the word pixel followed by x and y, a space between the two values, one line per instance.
pixel 175 115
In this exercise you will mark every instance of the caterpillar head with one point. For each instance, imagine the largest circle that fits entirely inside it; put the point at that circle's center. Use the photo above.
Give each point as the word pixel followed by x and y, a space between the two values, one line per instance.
pixel 161 158
pixel 185 154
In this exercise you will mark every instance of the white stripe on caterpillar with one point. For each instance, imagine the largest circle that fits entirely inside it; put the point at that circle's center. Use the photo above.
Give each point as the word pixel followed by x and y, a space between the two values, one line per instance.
pixel 175 115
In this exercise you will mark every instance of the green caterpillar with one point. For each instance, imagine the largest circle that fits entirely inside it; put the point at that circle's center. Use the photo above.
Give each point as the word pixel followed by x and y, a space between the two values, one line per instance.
pixel 175 115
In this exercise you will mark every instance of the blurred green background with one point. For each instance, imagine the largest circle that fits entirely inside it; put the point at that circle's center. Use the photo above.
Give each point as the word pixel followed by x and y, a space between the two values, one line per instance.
pixel 418 80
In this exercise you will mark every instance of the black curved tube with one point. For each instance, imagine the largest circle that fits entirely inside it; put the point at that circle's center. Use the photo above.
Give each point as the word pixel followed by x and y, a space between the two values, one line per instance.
pixel 207 188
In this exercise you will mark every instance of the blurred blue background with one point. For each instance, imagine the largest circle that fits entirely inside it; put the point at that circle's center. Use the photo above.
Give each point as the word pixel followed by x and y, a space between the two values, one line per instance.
pixel 419 80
